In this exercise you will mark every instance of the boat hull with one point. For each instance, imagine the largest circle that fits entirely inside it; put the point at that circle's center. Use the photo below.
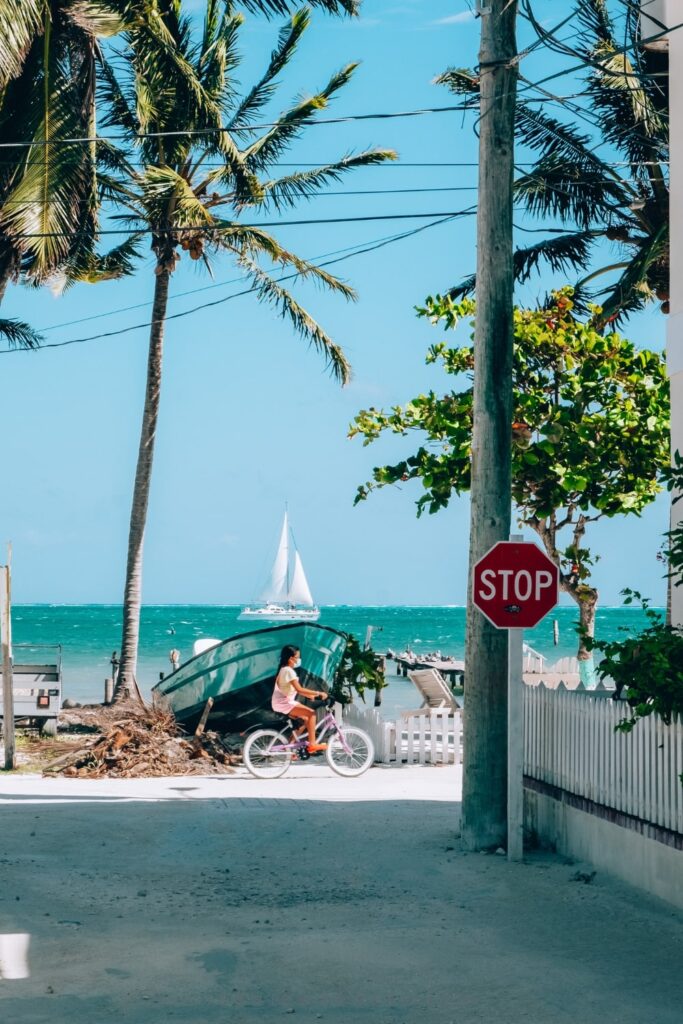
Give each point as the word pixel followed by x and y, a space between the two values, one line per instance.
pixel 239 673
pixel 273 614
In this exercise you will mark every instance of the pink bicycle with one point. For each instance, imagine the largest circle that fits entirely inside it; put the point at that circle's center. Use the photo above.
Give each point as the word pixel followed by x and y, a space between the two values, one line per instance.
pixel 268 753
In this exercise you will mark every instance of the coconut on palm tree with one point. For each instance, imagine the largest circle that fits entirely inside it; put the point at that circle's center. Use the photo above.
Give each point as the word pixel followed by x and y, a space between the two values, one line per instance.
pixel 602 184
pixel 193 165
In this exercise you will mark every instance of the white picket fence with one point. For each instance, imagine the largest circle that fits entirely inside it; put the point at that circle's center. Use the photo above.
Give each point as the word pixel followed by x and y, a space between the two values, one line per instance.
pixel 432 738
pixel 571 743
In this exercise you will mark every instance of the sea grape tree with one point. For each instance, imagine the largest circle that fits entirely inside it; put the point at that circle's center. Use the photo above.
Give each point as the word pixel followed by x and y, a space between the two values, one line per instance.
pixel 590 432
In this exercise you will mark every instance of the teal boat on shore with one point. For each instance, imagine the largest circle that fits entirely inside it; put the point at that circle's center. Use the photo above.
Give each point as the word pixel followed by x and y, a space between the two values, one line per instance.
pixel 239 673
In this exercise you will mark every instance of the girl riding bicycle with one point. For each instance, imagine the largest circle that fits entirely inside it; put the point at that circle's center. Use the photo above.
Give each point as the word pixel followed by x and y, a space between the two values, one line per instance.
pixel 284 702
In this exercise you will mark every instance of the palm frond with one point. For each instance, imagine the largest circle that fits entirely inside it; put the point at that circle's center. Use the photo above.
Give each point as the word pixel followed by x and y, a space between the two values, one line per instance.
pixel 593 17
pixel 560 253
pixel 289 125
pixel 19 24
pixel 169 196
pixel 466 287
pixel 44 212
pixel 269 7
pixel 461 82
pixel 212 19
pixel 288 190
pixel 569 192
pixel 554 139
pixel 634 289
pixel 18 334
pixel 97 18
pixel 118 112
pixel 111 266
pixel 629 117
pixel 262 92
pixel 219 58
pixel 270 291
pixel 254 241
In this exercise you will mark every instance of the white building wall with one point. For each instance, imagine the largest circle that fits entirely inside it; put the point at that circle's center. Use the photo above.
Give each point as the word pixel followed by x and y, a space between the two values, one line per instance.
pixel 674 343
pixel 670 12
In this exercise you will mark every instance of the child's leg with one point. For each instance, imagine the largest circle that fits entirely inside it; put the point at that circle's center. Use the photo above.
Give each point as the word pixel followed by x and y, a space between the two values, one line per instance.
pixel 308 723
pixel 308 715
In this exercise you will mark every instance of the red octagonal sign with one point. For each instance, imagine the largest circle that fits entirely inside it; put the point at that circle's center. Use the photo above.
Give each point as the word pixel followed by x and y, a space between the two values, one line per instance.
pixel 515 585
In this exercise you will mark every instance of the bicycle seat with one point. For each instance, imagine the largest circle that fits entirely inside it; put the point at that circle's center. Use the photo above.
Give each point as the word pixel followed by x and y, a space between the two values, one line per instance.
pixel 281 720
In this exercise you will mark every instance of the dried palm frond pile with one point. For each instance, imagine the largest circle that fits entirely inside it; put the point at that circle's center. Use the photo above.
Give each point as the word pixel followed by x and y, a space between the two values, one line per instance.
pixel 138 741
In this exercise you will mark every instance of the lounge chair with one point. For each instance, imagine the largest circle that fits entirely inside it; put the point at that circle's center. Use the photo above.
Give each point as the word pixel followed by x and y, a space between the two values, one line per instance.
pixel 435 692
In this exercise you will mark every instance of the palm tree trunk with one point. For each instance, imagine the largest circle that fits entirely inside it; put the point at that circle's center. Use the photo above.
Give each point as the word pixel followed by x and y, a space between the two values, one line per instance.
pixel 126 684
pixel 484 797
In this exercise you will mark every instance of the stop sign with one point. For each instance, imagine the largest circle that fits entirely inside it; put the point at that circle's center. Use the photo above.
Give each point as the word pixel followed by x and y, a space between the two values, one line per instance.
pixel 515 584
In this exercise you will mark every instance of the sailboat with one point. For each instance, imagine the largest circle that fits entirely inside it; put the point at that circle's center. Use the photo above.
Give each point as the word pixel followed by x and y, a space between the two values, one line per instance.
pixel 287 597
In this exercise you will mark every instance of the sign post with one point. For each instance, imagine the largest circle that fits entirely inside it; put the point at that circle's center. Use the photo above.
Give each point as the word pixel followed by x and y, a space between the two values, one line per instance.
pixel 515 585
pixel 7 680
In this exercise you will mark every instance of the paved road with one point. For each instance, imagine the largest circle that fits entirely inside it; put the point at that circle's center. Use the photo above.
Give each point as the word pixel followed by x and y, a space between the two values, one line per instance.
pixel 227 901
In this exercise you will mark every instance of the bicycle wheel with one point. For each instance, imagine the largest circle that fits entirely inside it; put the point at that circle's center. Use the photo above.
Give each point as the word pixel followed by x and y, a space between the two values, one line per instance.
pixel 260 758
pixel 352 761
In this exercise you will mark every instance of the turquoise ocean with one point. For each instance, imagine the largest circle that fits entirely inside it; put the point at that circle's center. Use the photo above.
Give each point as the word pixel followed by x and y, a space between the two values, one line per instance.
pixel 88 634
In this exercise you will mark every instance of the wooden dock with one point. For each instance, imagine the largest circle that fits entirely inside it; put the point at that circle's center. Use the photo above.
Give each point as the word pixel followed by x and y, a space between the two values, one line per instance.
pixel 450 668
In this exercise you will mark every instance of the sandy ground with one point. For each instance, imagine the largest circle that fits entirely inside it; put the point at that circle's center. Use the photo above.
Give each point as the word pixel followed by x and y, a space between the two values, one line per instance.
pixel 312 898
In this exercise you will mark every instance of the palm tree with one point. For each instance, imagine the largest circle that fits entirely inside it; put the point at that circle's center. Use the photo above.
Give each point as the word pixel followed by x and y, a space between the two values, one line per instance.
pixel 192 152
pixel 48 190
pixel 621 197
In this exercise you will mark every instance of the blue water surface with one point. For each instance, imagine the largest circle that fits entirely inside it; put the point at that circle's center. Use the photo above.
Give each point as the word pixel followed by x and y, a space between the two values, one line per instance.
pixel 90 633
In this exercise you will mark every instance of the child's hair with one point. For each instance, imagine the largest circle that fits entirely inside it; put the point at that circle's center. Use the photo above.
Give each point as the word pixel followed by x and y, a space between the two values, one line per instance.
pixel 287 652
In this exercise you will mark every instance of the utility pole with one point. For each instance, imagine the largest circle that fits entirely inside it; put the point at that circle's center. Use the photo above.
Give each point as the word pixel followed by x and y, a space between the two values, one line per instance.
pixel 7 680
pixel 484 812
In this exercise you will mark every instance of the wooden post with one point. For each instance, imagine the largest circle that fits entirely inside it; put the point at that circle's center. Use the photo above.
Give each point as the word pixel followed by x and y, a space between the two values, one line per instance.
pixel 7 678
pixel 201 726
pixel 484 806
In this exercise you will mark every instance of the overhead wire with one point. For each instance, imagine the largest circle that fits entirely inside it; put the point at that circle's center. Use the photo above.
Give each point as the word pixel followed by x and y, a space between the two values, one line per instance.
pixel 369 247
pixel 224 284
pixel 226 129
pixel 237 225
pixel 276 192
pixel 336 220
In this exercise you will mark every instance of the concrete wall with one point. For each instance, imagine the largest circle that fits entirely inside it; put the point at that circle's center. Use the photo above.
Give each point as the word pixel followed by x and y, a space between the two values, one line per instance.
pixel 633 856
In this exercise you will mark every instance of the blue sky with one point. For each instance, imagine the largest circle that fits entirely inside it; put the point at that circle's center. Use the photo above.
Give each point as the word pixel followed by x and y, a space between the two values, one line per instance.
pixel 249 417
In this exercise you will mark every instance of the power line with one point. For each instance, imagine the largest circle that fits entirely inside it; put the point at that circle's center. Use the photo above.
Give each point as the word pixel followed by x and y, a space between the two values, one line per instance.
pixel 247 291
pixel 221 284
pixel 223 129
pixel 618 51
pixel 220 228
pixel 385 165
pixel 275 192
pixel 226 129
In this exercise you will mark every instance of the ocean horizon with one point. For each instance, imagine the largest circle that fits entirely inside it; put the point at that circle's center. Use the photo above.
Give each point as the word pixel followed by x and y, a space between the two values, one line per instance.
pixel 89 633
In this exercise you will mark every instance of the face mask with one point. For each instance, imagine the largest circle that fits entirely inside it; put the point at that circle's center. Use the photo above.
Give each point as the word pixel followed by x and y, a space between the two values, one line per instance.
pixel 297 663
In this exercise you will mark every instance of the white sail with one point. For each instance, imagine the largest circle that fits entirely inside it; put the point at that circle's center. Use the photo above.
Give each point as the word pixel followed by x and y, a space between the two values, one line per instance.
pixel 278 585
pixel 299 592
pixel 282 601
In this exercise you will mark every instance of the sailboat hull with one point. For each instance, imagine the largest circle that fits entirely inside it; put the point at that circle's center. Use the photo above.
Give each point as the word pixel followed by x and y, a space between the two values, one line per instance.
pixel 239 673
pixel 276 613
